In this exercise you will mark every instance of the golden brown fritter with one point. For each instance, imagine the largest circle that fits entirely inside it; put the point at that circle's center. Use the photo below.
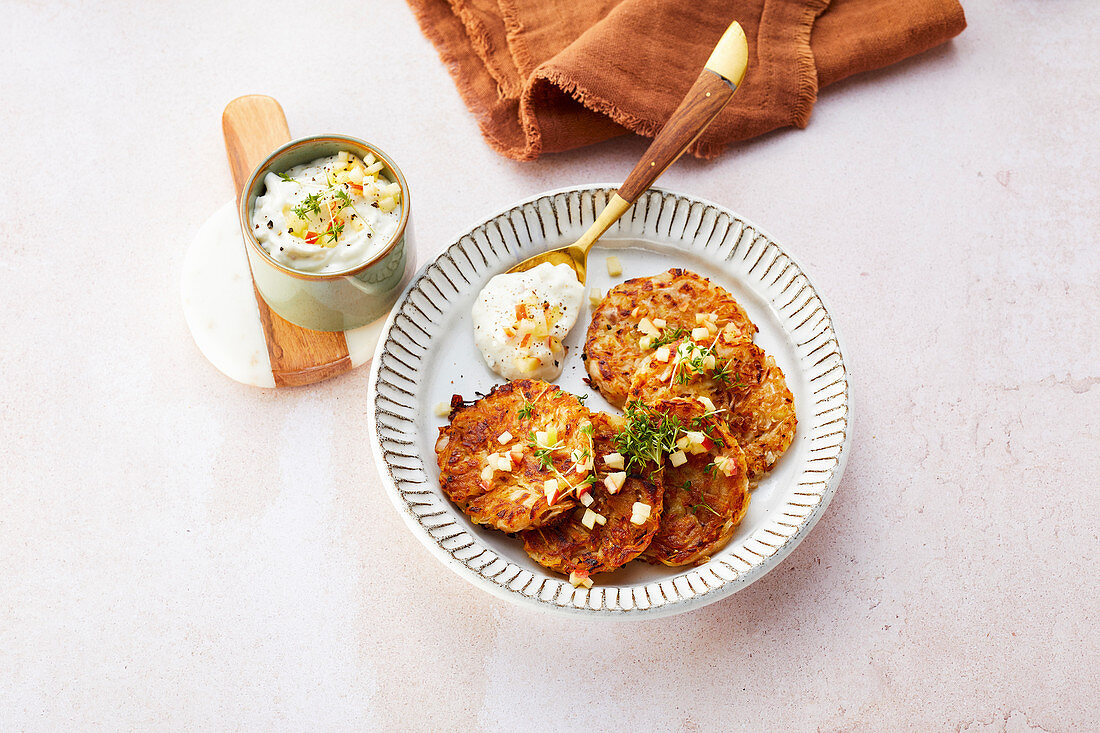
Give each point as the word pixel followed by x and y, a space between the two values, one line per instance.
pixel 513 500
pixel 752 397
pixel 704 499
pixel 568 546
pixel 612 351
pixel 764 421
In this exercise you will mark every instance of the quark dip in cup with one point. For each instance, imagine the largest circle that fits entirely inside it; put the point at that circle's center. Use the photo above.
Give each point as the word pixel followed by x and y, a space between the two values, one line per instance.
pixel 324 220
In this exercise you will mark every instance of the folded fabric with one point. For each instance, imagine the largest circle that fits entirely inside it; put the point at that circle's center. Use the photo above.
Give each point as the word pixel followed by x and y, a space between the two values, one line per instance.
pixel 543 76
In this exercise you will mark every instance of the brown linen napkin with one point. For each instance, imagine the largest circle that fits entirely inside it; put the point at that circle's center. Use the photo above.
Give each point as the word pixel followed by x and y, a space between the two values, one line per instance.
pixel 544 76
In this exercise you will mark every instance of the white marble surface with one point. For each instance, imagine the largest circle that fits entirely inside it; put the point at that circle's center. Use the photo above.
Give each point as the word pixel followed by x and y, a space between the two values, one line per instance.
pixel 179 551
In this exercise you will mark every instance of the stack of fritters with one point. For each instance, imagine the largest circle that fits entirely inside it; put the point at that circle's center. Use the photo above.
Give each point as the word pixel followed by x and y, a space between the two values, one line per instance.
pixel 563 487
pixel 708 413
pixel 745 384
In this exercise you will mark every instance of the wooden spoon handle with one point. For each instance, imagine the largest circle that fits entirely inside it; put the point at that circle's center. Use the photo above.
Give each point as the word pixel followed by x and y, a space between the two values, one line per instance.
pixel 711 92
pixel 253 127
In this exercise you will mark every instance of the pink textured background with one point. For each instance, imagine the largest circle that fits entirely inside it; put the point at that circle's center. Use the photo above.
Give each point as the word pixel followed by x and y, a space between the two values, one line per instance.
pixel 180 551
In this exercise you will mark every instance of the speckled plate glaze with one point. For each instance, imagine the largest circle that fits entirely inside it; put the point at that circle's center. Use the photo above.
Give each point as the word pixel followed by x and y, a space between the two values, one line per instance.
pixel 426 353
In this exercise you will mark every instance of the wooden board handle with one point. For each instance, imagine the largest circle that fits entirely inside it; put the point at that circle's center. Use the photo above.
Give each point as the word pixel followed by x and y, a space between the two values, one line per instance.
pixel 254 126
pixel 709 95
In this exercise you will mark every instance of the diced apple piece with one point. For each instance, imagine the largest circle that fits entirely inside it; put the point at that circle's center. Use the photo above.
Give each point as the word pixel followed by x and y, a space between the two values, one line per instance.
pixel 442 409
pixel 504 438
pixel 646 326
pixel 487 473
pixel 700 334
pixel 528 364
pixel 589 518
pixel 579 581
pixel 662 354
pixel 614 481
pixel 586 499
pixel 645 342
pixel 726 465
pixel 698 443
pixel 595 297
pixel 550 488
pixel 614 267
pixel 708 403
pixel 678 458
pixel 614 460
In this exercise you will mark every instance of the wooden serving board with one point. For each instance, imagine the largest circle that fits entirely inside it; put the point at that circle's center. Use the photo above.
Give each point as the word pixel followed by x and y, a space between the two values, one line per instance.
pixel 254 126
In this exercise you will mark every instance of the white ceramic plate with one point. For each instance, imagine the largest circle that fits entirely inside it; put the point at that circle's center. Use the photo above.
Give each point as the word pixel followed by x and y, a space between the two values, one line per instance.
pixel 426 353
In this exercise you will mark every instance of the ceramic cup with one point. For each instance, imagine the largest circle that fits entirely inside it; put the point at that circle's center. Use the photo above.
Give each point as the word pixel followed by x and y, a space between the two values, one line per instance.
pixel 326 301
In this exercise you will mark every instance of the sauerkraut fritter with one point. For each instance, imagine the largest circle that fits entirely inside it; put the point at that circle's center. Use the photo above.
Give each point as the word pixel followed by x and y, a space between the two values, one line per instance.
pixel 613 348
pixel 764 421
pixel 677 334
pixel 622 523
pixel 706 496
pixel 497 454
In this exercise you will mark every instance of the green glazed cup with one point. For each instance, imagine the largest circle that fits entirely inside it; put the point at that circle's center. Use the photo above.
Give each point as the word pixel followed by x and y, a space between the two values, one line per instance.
pixel 326 301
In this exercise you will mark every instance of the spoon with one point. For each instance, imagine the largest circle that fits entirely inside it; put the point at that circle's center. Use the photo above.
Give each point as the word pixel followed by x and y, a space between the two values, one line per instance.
pixel 709 95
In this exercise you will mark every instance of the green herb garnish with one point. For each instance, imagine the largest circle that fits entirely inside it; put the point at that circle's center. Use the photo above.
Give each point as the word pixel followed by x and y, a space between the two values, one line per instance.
pixel 333 231
pixel 311 204
pixel 670 334
pixel 545 456
pixel 648 437
pixel 722 374
pixel 704 505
